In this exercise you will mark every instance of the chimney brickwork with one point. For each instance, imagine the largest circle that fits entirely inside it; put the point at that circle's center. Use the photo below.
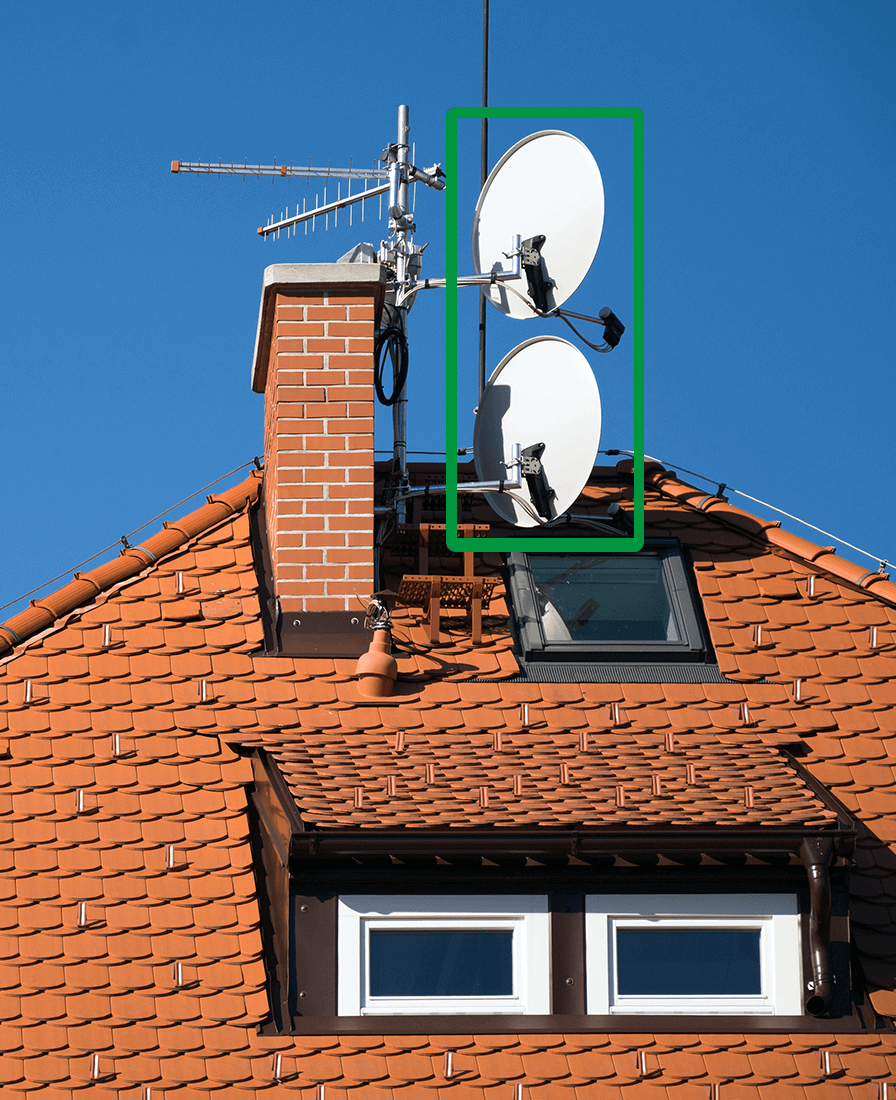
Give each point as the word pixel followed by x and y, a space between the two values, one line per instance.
pixel 319 412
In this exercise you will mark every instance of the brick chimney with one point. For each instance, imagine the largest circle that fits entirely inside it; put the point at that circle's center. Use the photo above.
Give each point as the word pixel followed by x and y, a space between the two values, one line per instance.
pixel 314 364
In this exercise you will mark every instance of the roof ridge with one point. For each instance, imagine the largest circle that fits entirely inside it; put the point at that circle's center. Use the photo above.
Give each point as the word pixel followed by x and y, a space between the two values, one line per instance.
pixel 44 612
pixel 769 531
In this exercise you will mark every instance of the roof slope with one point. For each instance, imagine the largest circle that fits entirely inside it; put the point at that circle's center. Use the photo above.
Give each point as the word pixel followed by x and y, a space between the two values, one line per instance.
pixel 566 769
pixel 85 587
pixel 123 791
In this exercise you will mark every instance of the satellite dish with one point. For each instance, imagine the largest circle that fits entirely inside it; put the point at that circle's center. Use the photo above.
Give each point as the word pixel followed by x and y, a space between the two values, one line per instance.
pixel 547 185
pixel 542 392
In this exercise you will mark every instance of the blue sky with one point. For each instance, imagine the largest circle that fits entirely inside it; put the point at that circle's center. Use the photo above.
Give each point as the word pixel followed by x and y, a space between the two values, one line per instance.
pixel 130 296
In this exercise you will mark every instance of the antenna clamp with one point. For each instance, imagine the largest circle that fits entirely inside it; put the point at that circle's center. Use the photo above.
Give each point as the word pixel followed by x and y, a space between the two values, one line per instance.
pixel 530 252
pixel 536 480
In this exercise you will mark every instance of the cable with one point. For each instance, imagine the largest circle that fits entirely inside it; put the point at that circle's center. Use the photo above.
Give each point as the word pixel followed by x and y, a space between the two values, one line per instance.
pixel 517 500
pixel 524 298
pixel 391 340
pixel 106 549
pixel 602 348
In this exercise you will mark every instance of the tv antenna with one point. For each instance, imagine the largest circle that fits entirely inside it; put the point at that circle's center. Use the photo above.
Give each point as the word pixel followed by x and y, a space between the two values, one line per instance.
pixel 538 223
pixel 399 253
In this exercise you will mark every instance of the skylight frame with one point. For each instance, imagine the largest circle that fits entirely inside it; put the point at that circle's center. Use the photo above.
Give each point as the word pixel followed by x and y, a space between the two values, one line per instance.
pixel 680 591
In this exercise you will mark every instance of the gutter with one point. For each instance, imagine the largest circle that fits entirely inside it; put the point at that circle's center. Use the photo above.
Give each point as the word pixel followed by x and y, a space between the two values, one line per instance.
pixel 549 844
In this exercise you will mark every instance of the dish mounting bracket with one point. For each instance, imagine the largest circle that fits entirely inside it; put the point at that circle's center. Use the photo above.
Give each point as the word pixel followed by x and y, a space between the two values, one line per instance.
pixel 534 268
pixel 536 480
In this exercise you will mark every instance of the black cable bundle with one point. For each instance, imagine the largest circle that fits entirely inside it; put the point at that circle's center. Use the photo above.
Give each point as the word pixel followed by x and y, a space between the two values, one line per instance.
pixel 392 344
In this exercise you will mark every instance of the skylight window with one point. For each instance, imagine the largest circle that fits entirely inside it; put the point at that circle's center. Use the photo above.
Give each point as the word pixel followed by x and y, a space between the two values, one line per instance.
pixel 603 598
pixel 619 607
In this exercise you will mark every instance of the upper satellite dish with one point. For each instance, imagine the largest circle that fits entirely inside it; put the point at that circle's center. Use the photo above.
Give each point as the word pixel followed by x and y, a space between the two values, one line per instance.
pixel 547 185
pixel 542 392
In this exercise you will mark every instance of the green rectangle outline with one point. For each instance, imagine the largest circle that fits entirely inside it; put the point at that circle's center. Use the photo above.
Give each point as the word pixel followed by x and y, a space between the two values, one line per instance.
pixel 634 332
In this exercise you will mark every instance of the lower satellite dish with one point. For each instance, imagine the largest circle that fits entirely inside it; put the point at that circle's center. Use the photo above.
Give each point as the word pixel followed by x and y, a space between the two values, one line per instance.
pixel 542 393
pixel 548 185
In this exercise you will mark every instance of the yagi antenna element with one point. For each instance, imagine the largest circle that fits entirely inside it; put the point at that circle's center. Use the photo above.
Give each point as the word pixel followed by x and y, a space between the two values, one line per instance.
pixel 398 253
pixel 386 178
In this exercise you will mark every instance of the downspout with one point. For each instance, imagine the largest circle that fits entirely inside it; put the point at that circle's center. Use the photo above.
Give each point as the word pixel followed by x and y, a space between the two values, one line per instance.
pixel 817 854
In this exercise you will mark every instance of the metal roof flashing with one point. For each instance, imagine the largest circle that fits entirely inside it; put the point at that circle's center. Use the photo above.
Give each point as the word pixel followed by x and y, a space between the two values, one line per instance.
pixel 305 278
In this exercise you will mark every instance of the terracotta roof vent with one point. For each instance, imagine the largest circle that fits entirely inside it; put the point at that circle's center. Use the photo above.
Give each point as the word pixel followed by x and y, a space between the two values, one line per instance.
pixel 377 668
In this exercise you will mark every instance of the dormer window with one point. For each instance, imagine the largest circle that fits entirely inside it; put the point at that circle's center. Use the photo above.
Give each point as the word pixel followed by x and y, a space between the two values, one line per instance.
pixel 611 607
pixel 443 954
pixel 725 954
pixel 653 954
pixel 679 919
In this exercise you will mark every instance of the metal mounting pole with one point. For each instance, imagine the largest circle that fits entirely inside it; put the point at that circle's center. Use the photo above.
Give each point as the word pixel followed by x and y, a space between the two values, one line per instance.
pixel 483 176
pixel 400 408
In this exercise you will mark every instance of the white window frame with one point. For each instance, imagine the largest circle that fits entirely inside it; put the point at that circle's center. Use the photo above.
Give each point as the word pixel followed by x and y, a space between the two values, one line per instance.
pixel 525 915
pixel 775 915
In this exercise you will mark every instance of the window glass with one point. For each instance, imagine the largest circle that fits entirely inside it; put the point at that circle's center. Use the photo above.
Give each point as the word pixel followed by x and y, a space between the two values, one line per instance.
pixel 688 962
pixel 626 608
pixel 441 963
pixel 603 598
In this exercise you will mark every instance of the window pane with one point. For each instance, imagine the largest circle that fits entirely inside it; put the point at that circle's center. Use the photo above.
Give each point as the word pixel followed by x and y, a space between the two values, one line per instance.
pixel 698 962
pixel 619 598
pixel 441 964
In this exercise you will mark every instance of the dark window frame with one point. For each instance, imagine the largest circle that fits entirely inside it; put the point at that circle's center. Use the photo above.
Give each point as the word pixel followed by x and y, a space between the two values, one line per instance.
pixel 684 600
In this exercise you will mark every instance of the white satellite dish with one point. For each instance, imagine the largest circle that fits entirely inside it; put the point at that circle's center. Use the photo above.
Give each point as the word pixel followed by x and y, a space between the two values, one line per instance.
pixel 548 184
pixel 542 392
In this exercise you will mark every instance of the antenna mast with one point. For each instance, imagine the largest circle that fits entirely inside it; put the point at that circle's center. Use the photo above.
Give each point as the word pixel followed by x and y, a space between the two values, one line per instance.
pixel 498 261
pixel 483 176
pixel 402 220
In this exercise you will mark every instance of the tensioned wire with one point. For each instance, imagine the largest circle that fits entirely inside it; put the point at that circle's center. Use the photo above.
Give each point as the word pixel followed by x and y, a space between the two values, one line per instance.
pixel 123 540
pixel 723 486
pixel 720 485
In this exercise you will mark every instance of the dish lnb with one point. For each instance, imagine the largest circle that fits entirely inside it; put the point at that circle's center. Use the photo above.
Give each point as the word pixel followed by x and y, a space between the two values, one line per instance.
pixel 613 327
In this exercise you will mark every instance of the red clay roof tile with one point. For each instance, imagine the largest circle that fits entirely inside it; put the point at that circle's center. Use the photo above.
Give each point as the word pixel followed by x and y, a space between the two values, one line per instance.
pixel 452 725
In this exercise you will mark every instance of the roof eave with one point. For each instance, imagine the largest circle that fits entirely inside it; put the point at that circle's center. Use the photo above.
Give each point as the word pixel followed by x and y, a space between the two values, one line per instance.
pixel 583 843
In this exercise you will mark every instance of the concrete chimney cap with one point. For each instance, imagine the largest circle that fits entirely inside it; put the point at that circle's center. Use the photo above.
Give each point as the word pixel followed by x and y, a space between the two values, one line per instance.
pixel 307 279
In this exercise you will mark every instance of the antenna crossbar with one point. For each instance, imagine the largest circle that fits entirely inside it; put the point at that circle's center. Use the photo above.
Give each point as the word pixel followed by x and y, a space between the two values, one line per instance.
pixel 327 208
pixel 209 168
